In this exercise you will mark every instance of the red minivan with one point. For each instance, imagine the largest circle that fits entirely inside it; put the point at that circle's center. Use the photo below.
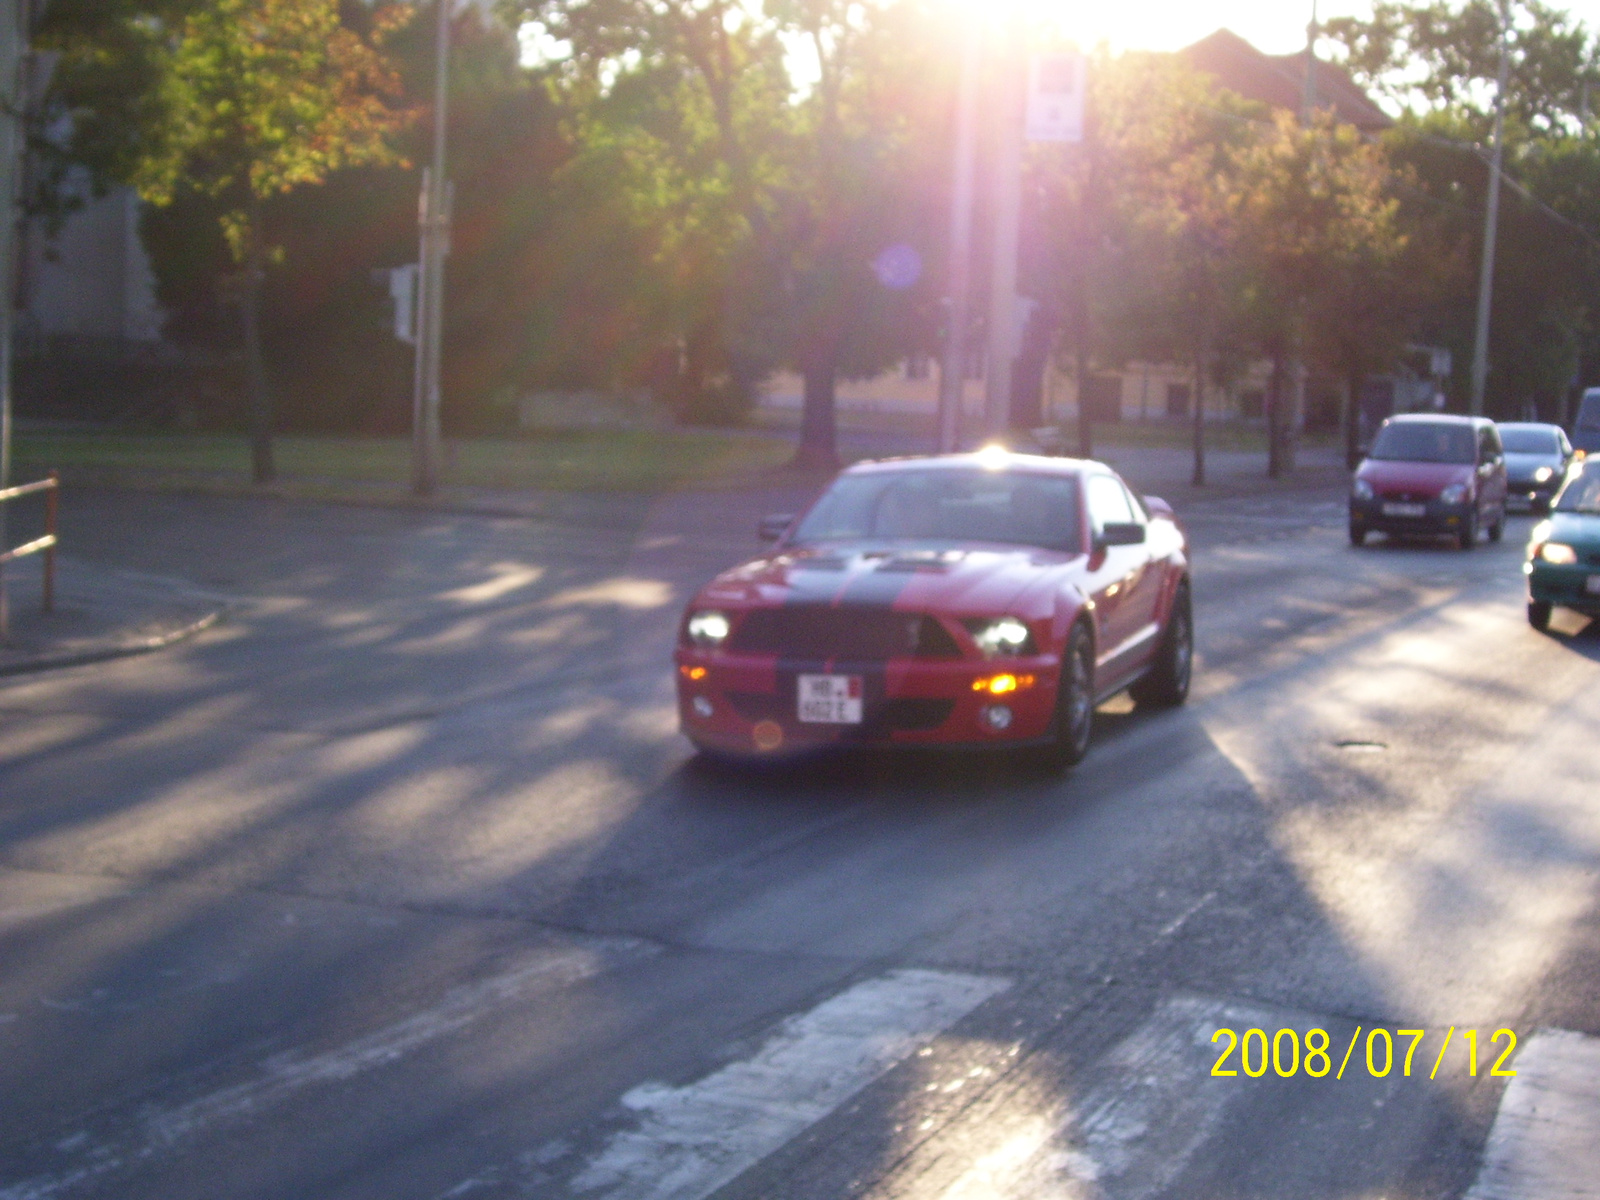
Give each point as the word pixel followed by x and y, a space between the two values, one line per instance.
pixel 1430 474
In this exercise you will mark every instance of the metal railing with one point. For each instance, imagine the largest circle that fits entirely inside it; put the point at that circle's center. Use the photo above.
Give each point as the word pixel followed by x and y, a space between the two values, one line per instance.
pixel 45 545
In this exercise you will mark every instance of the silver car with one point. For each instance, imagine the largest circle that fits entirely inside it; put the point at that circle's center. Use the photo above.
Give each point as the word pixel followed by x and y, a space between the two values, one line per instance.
pixel 1537 457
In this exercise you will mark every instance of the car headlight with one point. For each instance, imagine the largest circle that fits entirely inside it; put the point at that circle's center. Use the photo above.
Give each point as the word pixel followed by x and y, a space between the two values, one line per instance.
pixel 1543 474
pixel 709 628
pixel 1454 494
pixel 1361 490
pixel 1004 635
pixel 1558 554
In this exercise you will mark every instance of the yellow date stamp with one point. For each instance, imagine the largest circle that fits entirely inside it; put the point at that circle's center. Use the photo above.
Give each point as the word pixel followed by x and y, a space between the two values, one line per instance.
pixel 1286 1054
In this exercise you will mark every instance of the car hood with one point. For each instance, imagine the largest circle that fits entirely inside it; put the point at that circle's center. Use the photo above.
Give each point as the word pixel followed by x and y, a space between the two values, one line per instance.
pixel 971 580
pixel 1423 478
pixel 1580 530
pixel 1522 466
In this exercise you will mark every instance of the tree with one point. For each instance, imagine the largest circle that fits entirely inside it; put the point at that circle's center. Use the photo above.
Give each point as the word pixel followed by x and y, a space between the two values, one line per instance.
pixel 680 104
pixel 1447 58
pixel 1317 209
pixel 255 99
pixel 856 203
pixel 1175 145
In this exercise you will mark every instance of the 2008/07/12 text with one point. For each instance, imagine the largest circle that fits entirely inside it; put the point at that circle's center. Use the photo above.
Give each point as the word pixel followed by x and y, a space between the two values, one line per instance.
pixel 1285 1056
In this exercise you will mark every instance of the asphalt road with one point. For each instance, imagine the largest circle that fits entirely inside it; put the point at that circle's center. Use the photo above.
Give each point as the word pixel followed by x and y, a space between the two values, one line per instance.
pixel 400 883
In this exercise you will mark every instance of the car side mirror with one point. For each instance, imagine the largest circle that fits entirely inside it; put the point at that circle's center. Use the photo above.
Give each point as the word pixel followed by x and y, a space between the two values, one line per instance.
pixel 1120 533
pixel 771 528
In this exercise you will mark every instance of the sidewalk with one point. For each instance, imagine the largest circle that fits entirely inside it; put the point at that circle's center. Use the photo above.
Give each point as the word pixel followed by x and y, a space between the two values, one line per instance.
pixel 100 613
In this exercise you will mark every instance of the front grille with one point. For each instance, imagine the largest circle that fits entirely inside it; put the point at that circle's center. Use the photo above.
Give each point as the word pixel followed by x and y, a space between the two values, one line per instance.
pixel 850 633
pixel 915 713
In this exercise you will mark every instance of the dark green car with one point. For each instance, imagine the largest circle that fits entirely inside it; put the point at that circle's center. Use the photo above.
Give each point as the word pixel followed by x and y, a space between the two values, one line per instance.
pixel 1563 566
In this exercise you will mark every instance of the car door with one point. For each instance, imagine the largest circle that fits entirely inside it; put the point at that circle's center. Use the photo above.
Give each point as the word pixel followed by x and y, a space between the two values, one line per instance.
pixel 1491 475
pixel 1116 574
pixel 1142 594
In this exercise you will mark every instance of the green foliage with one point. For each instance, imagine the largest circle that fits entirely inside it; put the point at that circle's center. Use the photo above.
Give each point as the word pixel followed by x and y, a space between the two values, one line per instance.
pixel 258 97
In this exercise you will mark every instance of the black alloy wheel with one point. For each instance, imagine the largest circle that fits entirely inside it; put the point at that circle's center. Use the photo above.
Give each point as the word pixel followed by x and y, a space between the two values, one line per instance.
pixel 1167 684
pixel 1074 718
pixel 1539 614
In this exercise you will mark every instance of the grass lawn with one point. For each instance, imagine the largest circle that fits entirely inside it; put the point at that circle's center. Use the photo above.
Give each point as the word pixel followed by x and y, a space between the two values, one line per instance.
pixel 610 461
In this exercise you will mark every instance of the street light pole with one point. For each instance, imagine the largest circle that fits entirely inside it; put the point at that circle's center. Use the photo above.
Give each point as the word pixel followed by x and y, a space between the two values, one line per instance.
pixel 1491 222
pixel 434 223
pixel 13 40
pixel 953 367
pixel 1006 98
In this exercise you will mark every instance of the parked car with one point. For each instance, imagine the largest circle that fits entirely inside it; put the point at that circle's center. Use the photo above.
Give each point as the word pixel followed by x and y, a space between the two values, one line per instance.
pixel 1536 463
pixel 1586 427
pixel 979 600
pixel 1429 474
pixel 1563 565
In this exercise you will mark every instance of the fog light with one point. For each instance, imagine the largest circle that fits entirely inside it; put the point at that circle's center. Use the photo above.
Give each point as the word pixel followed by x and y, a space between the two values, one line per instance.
pixel 996 718
pixel 702 706
pixel 767 735
pixel 999 685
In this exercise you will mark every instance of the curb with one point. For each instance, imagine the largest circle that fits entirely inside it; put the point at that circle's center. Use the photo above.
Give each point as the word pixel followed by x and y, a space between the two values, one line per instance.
pixel 52 662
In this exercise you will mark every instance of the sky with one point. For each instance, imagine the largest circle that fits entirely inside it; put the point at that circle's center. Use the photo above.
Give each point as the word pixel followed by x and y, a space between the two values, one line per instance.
pixel 1274 26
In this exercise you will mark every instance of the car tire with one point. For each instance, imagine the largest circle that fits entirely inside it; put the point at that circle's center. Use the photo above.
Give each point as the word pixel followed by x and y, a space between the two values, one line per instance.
pixel 1539 614
pixel 1358 534
pixel 1498 526
pixel 1167 684
pixel 1073 723
pixel 1467 538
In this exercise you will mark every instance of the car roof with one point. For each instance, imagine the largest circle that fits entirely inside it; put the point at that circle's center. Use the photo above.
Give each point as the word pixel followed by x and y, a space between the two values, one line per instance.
pixel 979 460
pixel 1529 425
pixel 1437 419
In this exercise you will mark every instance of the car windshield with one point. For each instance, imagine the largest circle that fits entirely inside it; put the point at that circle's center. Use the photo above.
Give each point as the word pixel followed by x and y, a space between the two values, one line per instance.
pixel 1423 441
pixel 949 504
pixel 1582 493
pixel 1530 441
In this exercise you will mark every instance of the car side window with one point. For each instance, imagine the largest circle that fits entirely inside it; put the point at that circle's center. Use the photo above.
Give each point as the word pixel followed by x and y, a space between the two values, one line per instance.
pixel 1108 503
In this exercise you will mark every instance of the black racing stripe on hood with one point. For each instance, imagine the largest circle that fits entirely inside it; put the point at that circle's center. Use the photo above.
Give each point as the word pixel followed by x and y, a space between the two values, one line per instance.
pixel 874 588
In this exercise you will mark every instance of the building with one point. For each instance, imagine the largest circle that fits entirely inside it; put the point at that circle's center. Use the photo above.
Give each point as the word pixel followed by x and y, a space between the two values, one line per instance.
pixel 1279 80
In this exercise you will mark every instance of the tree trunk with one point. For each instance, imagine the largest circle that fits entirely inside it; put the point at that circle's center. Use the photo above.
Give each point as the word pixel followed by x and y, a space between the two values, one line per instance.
pixel 1275 416
pixel 1350 419
pixel 1199 417
pixel 262 468
pixel 1085 413
pixel 818 449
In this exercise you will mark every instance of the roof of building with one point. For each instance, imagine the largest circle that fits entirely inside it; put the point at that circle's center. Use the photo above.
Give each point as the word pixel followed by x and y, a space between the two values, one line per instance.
pixel 1280 79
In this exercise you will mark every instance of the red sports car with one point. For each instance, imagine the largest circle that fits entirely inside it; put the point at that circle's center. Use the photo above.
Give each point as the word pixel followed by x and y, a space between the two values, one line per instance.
pixel 987 599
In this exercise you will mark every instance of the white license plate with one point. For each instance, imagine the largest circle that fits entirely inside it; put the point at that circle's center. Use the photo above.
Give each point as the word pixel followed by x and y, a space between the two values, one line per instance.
pixel 1405 510
pixel 830 699
pixel 1592 585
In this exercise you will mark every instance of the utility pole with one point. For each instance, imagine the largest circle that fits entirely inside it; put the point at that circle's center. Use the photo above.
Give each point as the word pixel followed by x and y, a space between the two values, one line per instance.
pixel 1491 223
pixel 13 103
pixel 953 366
pixel 434 226
pixel 1006 196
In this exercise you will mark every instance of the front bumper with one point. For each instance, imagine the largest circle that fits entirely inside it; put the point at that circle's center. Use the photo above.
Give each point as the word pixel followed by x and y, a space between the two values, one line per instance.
pixel 1436 518
pixel 1523 495
pixel 754 701
pixel 1566 587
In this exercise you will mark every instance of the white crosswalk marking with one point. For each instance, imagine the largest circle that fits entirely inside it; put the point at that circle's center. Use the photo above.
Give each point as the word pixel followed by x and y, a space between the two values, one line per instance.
pixel 1546 1136
pixel 694 1139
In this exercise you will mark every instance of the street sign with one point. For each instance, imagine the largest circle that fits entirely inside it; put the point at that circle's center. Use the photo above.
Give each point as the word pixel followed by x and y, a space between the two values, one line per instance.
pixel 1055 96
